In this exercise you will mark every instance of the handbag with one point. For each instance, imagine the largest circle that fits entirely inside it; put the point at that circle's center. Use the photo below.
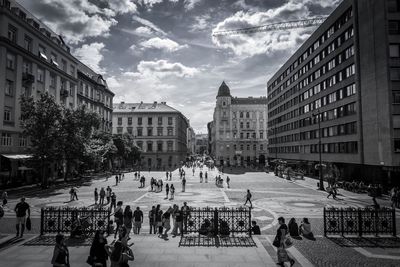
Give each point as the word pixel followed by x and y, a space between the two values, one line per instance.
pixel 28 224
pixel 282 255
pixel 276 242
pixel 288 242
pixel 90 260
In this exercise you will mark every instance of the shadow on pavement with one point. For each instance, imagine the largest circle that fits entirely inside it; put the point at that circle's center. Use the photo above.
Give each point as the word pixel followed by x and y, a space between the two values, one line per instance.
pixel 50 240
pixel 381 242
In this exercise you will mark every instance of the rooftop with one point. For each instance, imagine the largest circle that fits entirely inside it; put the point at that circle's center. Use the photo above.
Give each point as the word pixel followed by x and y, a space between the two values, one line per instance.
pixel 224 90
pixel 155 107
pixel 262 100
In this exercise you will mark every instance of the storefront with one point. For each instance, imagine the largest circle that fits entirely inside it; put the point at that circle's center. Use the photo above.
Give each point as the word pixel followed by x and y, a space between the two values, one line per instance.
pixel 14 169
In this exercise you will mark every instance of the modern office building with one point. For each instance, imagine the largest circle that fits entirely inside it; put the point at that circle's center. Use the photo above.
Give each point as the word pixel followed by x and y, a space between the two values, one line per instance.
pixel 239 129
pixel 347 77
pixel 160 132
pixel 33 60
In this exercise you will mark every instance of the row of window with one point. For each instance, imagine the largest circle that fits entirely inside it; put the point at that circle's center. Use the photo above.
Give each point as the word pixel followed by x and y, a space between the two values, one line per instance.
pixel 325 36
pixel 149 120
pixel 159 146
pixel 91 92
pixel 139 131
pixel 336 148
pixel 7 140
pixel 243 146
pixel 252 135
pixel 343 111
pixel 247 115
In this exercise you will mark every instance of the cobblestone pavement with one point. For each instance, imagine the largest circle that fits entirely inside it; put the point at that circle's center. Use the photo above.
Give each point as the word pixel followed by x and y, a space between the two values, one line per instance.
pixel 272 197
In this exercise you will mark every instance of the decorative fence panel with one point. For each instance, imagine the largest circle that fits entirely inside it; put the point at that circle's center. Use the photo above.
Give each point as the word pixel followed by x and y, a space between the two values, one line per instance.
pixel 65 220
pixel 352 221
pixel 218 221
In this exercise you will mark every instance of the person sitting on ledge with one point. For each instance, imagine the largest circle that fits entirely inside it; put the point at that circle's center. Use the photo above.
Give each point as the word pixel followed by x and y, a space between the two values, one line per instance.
pixel 293 228
pixel 305 229
pixel 255 229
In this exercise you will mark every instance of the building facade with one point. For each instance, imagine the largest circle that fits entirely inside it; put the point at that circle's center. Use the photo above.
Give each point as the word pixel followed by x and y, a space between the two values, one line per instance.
pixel 33 60
pixel 201 146
pixel 160 132
pixel 191 141
pixel 239 130
pixel 346 79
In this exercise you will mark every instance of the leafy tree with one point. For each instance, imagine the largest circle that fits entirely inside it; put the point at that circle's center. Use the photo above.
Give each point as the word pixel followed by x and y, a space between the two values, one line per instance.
pixel 99 150
pixel 126 149
pixel 41 121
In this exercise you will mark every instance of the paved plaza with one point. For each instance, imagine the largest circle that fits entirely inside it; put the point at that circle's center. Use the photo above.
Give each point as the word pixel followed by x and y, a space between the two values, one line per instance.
pixel 272 197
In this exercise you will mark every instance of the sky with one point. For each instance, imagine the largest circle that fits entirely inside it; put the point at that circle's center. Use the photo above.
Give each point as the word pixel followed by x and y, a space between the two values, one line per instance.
pixel 163 50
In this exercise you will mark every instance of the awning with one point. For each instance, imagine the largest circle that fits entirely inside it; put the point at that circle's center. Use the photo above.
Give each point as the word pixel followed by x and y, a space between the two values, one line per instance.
pixel 24 168
pixel 18 156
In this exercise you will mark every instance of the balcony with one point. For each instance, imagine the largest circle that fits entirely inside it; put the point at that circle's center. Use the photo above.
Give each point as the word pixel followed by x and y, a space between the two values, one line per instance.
pixel 64 93
pixel 27 78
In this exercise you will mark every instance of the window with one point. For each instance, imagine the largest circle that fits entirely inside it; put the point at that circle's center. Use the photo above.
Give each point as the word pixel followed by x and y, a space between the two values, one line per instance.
pixel 139 132
pixel 350 70
pixel 129 130
pixel 247 114
pixel 241 125
pixel 12 33
pixel 119 130
pixel 139 119
pixel 9 88
pixel 27 67
pixel 72 70
pixel 170 146
pixel 54 59
pixel 349 52
pixel 332 97
pixel 10 61
pixel 241 114
pixel 261 135
pixel 393 6
pixel 129 120
pixel 395 74
pixel 396 97
pixel 169 120
pixel 140 145
pixel 159 131
pixel 394 50
pixel 22 141
pixel 331 64
pixel 351 90
pixel 159 120
pixel 28 43
pixel 42 52
pixel 261 147
pixel 7 114
pixel 119 120
pixel 52 80
pixel 150 146
pixel 159 146
pixel 149 131
pixel 396 145
pixel 394 26
pixel 170 131
pixel 149 120
pixel 241 135
pixel 64 65
pixel 6 139
pixel 40 75
pixel 247 125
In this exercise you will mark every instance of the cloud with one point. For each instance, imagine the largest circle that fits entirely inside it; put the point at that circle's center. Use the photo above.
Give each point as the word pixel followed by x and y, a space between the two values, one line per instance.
pixel 149 24
pixel 190 4
pixel 122 6
pixel 163 68
pixel 267 42
pixel 201 23
pixel 91 55
pixel 163 44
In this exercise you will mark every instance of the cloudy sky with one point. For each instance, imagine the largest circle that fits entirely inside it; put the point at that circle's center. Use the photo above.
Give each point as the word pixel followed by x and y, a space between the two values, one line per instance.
pixel 163 50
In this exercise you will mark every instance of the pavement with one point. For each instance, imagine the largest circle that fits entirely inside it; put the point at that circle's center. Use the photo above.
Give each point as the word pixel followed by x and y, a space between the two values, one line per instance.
pixel 272 197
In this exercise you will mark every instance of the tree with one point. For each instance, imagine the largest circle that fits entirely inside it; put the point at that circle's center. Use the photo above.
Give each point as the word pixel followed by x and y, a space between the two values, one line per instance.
pixel 99 150
pixel 126 149
pixel 41 121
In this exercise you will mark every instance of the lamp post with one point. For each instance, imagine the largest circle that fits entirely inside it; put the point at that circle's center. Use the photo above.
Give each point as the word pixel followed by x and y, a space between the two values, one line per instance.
pixel 321 180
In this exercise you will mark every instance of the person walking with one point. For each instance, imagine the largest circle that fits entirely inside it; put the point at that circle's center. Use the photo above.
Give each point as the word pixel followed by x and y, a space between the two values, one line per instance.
pixel 116 179
pixel 166 190
pixel 206 177
pixel 128 216
pixel 152 220
pixel 108 194
pixel 159 214
pixel 172 190
pixel 170 176
pixel 102 195
pixel 185 214
pixel 96 196
pixel 113 201
pixel 228 181
pixel 248 198
pixel 4 197
pixel 166 224
pixel 183 184
pixel 178 222
pixel 138 216
pixel 98 252
pixel 60 254
pixel 21 210
pixel 166 175
pixel 118 217
pixel 279 242
pixel 75 192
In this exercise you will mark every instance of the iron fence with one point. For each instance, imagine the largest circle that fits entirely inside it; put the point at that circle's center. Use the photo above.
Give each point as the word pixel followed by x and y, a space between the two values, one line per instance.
pixel 67 220
pixel 218 221
pixel 352 221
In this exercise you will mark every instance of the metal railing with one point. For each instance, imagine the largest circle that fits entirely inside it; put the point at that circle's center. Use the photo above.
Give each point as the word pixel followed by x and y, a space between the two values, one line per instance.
pixel 353 221
pixel 67 220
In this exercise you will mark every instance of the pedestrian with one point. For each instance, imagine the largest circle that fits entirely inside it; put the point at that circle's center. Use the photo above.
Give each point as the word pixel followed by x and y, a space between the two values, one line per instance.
pixel 118 217
pixel 60 254
pixel 228 181
pixel 248 198
pixel 159 214
pixel 4 197
pixel 98 252
pixel 183 184
pixel 161 185
pixel 166 191
pixel 116 179
pixel 172 190
pixel 178 222
pixel 75 194
pixel 21 210
pixel 108 194
pixel 128 216
pixel 331 192
pixel 152 220
pixel 206 177
pixel 170 176
pixel 71 194
pixel 113 201
pixel 102 195
pixel 119 254
pixel 138 217
pixel 293 227
pixel 166 224
pixel 166 175
pixel 96 196
pixel 123 176
pixel 185 214
pixel 305 229
pixel 255 229
pixel 193 171
pixel 279 242
pixel 201 176
pixel 151 184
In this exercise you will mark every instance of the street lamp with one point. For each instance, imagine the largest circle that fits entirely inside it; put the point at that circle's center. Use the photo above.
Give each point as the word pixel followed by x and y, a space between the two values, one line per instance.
pixel 317 114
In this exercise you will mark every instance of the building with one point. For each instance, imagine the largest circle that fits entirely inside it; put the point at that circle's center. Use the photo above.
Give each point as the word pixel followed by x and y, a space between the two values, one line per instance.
pixel 239 129
pixel 210 134
pixel 347 77
pixel 191 141
pixel 160 132
pixel 33 60
pixel 201 145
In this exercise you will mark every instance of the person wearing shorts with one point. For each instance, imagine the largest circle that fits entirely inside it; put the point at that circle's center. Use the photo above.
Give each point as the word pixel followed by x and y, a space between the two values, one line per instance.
pixel 21 209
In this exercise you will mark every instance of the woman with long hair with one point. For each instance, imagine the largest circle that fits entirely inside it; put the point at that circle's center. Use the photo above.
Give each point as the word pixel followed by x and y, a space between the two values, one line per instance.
pixel 60 253
pixel 98 251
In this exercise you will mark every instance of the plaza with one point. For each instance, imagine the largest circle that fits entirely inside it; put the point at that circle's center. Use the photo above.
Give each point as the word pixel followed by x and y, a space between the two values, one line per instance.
pixel 272 197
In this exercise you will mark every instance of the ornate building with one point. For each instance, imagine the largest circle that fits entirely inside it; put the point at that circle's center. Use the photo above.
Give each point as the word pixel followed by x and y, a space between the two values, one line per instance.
pixel 238 132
